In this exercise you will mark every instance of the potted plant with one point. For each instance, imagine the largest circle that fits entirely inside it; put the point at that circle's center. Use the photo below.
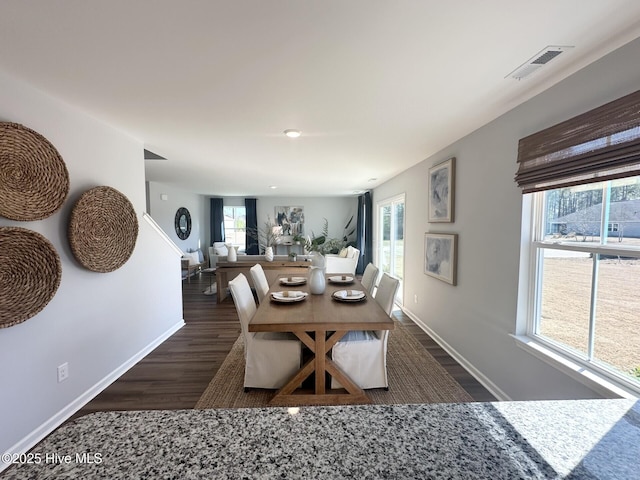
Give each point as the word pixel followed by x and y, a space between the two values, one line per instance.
pixel 316 244
pixel 267 236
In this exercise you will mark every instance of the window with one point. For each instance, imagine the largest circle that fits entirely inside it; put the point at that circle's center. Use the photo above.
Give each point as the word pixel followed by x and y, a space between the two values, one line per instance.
pixel 587 276
pixel 235 227
pixel 391 239
pixel 584 178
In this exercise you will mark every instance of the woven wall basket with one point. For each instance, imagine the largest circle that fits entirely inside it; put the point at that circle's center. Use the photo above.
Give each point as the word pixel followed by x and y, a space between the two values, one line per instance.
pixel 103 229
pixel 34 181
pixel 30 273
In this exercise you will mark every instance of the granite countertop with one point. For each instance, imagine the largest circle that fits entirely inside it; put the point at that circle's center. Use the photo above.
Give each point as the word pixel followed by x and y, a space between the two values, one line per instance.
pixel 585 439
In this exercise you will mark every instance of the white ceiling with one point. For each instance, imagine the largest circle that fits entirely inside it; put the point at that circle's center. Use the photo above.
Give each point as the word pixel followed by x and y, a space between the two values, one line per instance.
pixel 375 85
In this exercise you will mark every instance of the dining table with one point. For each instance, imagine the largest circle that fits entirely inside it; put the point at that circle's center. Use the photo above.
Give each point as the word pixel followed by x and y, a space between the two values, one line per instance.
pixel 319 321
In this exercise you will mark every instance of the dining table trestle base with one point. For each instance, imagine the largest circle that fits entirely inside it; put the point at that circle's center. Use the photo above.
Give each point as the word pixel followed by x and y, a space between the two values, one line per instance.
pixel 319 365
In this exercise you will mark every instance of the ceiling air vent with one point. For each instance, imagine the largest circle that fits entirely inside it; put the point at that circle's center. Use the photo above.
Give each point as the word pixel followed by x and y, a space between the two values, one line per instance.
pixel 536 62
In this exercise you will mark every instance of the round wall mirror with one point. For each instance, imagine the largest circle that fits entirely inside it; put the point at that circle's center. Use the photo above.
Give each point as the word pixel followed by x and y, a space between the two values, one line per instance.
pixel 183 223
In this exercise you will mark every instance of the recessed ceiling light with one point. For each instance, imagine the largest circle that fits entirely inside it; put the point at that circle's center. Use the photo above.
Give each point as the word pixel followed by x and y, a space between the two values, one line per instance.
pixel 372 179
pixel 273 187
pixel 292 133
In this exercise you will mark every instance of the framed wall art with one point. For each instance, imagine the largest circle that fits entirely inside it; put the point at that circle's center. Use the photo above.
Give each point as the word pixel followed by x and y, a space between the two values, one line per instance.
pixel 440 252
pixel 291 219
pixel 441 191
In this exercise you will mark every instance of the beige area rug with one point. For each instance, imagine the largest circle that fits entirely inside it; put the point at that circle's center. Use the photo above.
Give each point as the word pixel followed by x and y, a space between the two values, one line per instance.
pixel 414 377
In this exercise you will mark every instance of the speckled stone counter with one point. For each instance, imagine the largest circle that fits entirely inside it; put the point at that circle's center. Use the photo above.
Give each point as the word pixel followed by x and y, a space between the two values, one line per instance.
pixel 584 439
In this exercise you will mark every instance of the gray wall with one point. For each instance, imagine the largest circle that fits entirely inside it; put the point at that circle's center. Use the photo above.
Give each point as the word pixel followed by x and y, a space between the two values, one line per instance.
pixel 100 323
pixel 475 318
pixel 337 211
pixel 164 213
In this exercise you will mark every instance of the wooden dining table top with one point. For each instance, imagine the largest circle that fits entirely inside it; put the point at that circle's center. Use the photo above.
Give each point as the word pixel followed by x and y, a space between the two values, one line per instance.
pixel 319 312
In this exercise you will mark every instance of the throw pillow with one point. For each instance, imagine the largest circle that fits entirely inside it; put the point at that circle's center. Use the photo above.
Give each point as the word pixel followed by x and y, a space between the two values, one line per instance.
pixel 343 253
pixel 351 252
pixel 193 258
pixel 221 250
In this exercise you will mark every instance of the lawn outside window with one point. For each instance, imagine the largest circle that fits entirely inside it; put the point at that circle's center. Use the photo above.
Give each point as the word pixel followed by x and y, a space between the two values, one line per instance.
pixel 585 278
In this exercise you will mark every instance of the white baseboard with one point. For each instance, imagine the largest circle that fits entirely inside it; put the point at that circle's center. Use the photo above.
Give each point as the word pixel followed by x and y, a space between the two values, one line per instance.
pixel 474 372
pixel 28 442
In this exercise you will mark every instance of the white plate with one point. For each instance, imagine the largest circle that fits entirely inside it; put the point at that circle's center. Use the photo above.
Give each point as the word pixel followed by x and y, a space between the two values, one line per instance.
pixel 288 296
pixel 349 295
pixel 293 281
pixel 341 279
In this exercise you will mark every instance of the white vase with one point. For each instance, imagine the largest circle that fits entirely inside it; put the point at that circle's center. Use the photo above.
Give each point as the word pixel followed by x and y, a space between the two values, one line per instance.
pixel 317 282
pixel 232 255
pixel 268 254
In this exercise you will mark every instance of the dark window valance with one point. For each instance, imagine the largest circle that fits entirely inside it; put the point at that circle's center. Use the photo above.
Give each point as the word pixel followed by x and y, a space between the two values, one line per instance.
pixel 601 144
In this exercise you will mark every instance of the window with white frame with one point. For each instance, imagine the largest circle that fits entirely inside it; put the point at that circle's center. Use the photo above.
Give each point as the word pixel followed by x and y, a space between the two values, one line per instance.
pixel 390 255
pixel 587 278
pixel 235 227
pixel 584 176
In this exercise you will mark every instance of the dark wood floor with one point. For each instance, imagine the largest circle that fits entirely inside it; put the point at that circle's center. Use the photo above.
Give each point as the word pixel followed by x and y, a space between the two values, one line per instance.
pixel 176 373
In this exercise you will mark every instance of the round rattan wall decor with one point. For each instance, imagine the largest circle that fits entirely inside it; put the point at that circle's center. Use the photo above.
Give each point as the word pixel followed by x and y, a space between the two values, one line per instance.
pixel 34 181
pixel 103 229
pixel 30 273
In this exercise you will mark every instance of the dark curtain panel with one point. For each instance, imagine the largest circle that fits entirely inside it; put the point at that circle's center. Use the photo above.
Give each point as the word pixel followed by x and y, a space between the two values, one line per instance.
pixel 252 226
pixel 217 220
pixel 360 233
pixel 364 231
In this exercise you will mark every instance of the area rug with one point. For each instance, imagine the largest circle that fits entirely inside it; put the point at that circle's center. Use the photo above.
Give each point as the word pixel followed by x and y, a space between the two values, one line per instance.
pixel 414 377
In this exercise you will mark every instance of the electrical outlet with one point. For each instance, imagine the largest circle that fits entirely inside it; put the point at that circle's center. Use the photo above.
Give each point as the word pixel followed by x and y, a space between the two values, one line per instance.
pixel 415 298
pixel 63 372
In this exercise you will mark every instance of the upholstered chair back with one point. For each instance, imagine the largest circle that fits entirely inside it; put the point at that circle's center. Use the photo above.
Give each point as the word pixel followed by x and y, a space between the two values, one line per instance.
pixel 369 277
pixel 245 304
pixel 260 281
pixel 386 292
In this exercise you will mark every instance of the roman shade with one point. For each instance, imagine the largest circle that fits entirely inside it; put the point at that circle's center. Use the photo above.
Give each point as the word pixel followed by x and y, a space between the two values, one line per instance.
pixel 601 144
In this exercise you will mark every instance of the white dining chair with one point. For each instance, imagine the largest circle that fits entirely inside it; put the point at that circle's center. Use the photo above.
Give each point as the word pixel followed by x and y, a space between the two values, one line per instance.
pixel 259 281
pixel 362 355
pixel 369 278
pixel 271 358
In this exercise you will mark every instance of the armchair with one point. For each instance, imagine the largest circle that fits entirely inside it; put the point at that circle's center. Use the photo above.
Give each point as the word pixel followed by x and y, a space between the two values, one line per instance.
pixel 344 262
